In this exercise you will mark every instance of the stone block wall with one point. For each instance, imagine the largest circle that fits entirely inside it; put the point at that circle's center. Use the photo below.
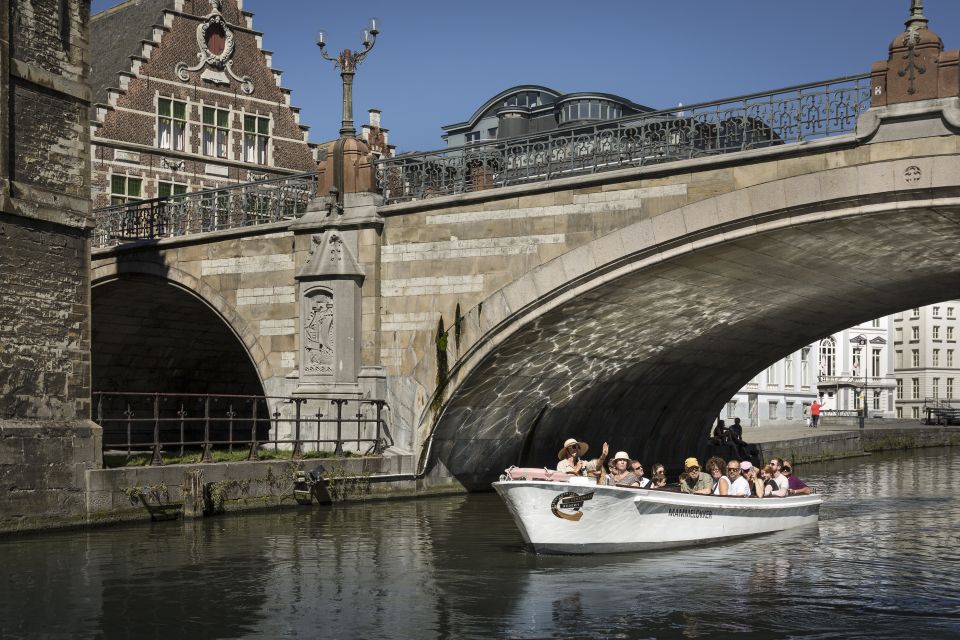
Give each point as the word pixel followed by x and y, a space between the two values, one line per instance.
pixel 44 309
pixel 42 472
pixel 46 439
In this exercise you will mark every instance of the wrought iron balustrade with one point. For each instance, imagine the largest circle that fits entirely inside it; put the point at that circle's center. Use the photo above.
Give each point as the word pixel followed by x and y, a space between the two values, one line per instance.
pixel 180 423
pixel 241 205
pixel 785 116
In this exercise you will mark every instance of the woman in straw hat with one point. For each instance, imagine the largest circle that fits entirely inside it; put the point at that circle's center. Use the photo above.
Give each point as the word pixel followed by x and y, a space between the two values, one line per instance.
pixel 571 455
pixel 621 476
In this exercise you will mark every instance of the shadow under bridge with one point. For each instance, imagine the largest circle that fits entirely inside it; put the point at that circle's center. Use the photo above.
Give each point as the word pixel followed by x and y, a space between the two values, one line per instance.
pixel 646 359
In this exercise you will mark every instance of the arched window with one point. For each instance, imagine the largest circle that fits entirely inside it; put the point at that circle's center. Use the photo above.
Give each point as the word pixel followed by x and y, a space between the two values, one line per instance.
pixel 828 357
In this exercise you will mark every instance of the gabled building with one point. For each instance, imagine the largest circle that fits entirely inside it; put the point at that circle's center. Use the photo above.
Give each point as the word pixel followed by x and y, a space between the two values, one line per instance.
pixel 185 99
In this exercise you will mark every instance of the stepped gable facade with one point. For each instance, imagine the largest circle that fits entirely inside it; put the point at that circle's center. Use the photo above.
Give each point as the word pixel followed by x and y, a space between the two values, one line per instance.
pixel 185 99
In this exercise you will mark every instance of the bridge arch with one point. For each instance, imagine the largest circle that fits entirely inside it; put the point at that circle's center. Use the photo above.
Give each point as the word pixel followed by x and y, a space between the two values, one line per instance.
pixel 157 328
pixel 611 340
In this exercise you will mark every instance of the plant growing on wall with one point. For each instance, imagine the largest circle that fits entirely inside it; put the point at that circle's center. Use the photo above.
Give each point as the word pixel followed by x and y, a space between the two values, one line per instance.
pixel 443 370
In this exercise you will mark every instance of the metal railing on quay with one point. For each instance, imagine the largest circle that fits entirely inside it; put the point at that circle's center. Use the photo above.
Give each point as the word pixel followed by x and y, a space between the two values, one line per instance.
pixel 784 116
pixel 236 206
pixel 179 424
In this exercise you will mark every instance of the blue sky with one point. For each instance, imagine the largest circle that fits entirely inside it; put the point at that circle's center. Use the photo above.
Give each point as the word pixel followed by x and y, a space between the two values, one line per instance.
pixel 436 62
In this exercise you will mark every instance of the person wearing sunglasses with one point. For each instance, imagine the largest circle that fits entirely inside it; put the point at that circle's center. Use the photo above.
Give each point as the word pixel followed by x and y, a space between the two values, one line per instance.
pixel 739 486
pixel 795 486
pixel 781 480
pixel 692 480
pixel 571 458
pixel 658 479
pixel 752 475
pixel 721 483
pixel 637 470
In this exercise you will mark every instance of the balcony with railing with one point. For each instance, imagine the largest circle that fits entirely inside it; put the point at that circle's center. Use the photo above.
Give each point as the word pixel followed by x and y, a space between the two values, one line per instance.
pixel 237 206
pixel 785 116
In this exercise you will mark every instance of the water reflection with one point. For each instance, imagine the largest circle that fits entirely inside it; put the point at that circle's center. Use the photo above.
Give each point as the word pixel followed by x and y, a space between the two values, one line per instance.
pixel 880 564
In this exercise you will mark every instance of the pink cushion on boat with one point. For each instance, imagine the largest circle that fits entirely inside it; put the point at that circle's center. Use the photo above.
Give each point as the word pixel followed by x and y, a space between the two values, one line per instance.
pixel 536 473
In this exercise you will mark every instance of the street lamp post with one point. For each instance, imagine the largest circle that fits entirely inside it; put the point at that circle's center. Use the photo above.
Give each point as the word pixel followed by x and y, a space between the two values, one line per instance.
pixel 861 342
pixel 347 61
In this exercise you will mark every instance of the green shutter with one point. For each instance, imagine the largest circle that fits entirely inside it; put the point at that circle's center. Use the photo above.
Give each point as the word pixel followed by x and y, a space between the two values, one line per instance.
pixel 223 118
pixel 163 189
pixel 250 124
pixel 118 185
pixel 208 115
pixel 180 110
pixel 133 187
pixel 163 107
pixel 264 125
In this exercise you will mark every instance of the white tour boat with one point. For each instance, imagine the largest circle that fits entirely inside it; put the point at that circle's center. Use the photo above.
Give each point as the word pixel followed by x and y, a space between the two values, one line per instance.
pixel 557 513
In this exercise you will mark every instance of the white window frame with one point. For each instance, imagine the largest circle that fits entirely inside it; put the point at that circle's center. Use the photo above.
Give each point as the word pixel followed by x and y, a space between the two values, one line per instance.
pixel 215 135
pixel 176 127
pixel 256 143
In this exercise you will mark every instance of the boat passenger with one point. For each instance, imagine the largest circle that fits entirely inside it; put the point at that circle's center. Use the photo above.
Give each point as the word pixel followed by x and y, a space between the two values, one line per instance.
pixel 739 486
pixel 621 476
pixel 637 469
pixel 721 483
pixel 769 484
pixel 750 472
pixel 692 480
pixel 571 455
pixel 795 486
pixel 782 483
pixel 658 479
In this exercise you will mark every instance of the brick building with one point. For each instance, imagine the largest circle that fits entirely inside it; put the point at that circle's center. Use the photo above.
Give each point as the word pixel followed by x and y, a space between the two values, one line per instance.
pixel 185 100
pixel 46 440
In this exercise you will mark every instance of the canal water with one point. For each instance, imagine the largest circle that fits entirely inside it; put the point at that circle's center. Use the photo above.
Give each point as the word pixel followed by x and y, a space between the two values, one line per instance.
pixel 884 562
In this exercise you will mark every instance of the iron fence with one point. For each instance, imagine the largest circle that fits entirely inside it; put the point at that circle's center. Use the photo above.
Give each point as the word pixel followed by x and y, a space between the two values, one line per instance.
pixel 790 115
pixel 241 205
pixel 178 423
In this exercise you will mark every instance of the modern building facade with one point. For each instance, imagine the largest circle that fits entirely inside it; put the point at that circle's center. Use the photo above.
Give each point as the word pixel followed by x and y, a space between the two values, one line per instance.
pixel 926 357
pixel 527 109
pixel 185 99
pixel 835 369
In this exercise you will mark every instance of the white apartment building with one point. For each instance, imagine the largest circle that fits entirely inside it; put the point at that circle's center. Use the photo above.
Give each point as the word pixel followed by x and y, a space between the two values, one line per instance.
pixel 926 357
pixel 832 367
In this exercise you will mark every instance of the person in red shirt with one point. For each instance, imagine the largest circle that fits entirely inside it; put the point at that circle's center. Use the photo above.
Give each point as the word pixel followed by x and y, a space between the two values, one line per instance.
pixel 815 413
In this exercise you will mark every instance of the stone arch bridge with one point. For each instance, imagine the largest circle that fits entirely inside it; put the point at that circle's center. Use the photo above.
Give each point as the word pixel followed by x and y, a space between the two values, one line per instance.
pixel 626 304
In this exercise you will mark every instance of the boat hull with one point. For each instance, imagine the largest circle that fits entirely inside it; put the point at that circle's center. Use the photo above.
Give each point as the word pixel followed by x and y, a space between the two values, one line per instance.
pixel 560 517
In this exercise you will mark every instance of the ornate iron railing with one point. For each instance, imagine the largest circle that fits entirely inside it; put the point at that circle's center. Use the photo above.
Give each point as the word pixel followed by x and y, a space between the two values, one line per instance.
pixel 241 205
pixel 178 424
pixel 784 116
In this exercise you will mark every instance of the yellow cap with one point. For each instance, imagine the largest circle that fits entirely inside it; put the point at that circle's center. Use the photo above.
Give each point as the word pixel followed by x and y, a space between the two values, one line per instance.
pixel 691 462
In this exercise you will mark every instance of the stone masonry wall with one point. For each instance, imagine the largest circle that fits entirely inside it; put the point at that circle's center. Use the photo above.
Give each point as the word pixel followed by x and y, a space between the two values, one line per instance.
pixel 47 442
pixel 44 309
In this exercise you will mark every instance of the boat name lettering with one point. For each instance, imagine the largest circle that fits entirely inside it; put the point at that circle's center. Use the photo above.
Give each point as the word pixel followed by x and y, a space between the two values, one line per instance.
pixel 691 513
pixel 569 501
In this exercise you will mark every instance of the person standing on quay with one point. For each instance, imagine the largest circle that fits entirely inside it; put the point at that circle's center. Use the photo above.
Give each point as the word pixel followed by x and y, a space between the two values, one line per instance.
pixel 815 413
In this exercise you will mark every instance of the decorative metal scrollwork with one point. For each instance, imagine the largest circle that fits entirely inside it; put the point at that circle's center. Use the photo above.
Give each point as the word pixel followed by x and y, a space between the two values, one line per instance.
pixel 790 115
